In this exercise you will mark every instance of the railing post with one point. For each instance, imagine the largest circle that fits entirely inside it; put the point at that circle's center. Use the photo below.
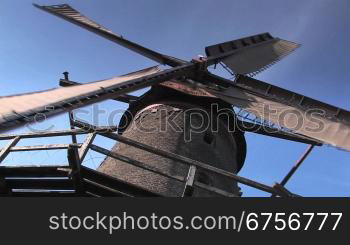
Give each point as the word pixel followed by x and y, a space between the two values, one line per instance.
pixel 71 123
pixel 74 163
pixel 4 190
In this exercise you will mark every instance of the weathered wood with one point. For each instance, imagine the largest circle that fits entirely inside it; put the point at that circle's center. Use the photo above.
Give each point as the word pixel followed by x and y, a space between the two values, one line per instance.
pixel 214 189
pixel 126 98
pixel 85 147
pixel 71 119
pixel 74 163
pixel 58 133
pixel 188 187
pixel 40 147
pixel 94 187
pixel 6 150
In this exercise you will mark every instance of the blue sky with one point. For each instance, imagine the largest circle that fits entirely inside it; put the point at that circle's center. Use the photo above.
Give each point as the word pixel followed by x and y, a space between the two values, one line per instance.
pixel 35 48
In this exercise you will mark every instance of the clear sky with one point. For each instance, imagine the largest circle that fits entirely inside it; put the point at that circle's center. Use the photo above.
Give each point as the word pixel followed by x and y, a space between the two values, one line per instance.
pixel 35 48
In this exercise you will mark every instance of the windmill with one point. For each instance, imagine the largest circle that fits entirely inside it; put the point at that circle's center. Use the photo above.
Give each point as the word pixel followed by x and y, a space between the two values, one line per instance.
pixel 183 137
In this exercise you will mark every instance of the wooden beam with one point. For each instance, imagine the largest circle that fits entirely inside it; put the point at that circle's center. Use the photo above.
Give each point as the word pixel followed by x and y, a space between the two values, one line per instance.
pixel 58 133
pixel 94 187
pixel 126 98
pixel 35 171
pixel 40 147
pixel 74 163
pixel 71 119
pixel 40 183
pixel 6 150
pixel 214 189
pixel 43 134
pixel 85 147
pixel 188 187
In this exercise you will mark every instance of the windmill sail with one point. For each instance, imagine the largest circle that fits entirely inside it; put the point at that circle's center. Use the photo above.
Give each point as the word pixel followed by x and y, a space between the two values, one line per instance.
pixel 251 55
pixel 19 109
pixel 300 114
pixel 66 12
